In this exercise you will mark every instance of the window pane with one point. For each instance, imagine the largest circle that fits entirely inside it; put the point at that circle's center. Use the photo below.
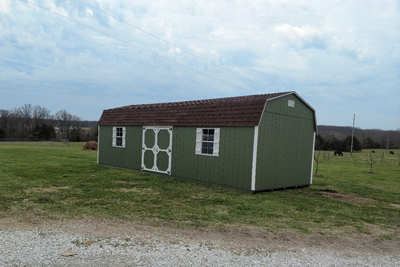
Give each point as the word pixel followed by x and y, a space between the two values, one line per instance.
pixel 119 141
pixel 205 131
pixel 119 132
pixel 210 148
pixel 211 131
pixel 207 148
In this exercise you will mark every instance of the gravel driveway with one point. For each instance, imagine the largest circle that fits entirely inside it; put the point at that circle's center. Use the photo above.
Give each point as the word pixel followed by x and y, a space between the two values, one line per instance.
pixel 111 244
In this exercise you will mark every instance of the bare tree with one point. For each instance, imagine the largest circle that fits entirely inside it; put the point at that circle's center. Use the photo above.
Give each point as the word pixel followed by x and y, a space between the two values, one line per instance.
pixel 63 121
pixel 39 115
pixel 4 118
pixel 320 144
pixel 66 122
pixel 318 160
pixel 370 160
pixel 13 123
pixel 76 129
pixel 24 115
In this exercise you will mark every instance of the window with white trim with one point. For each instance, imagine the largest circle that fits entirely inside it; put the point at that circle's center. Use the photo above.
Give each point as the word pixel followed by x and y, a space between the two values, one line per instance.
pixel 119 136
pixel 207 141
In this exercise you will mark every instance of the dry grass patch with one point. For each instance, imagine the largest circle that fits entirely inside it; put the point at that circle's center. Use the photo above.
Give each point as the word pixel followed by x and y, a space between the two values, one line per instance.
pixel 124 182
pixel 138 191
pixel 221 211
pixel 348 198
pixel 45 190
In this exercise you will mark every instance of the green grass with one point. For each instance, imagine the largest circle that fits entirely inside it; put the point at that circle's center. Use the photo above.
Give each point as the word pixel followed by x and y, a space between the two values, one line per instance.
pixel 66 182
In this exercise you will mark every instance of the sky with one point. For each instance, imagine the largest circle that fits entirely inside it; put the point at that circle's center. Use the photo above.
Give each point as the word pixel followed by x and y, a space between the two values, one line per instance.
pixel 341 57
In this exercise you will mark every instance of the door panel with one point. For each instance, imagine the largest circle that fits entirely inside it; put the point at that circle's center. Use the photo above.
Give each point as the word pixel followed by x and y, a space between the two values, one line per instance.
pixel 163 161
pixel 148 160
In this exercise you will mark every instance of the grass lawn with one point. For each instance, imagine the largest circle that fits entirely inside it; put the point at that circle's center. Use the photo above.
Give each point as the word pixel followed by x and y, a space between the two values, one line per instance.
pixel 66 182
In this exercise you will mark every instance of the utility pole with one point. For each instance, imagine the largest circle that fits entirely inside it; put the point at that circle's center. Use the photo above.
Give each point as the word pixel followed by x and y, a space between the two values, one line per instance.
pixel 352 135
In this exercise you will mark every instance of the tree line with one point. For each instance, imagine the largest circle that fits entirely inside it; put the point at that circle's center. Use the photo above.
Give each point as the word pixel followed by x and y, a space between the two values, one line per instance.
pixel 368 138
pixel 330 142
pixel 37 123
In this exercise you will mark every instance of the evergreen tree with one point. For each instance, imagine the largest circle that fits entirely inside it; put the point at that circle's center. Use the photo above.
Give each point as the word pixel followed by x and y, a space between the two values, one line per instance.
pixel 335 144
pixel 2 133
pixel 320 143
pixel 346 144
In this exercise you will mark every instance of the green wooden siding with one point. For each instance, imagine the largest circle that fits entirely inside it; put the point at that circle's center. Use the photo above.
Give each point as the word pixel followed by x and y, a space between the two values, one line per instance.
pixel 232 168
pixel 128 157
pixel 285 145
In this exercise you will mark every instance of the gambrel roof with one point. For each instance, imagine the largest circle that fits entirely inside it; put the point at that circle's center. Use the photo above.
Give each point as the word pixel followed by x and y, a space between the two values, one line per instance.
pixel 229 111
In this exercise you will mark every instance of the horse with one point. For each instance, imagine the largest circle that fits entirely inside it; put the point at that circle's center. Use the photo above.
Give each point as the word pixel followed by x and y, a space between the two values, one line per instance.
pixel 338 152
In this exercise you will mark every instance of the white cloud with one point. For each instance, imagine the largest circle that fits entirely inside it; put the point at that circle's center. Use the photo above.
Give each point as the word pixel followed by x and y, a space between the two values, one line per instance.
pixel 89 12
pixel 303 37
pixel 55 8
pixel 5 6
pixel 174 50
pixel 305 32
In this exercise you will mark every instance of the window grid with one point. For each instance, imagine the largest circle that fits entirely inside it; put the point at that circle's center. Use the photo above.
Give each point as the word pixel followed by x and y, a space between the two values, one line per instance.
pixel 119 137
pixel 207 145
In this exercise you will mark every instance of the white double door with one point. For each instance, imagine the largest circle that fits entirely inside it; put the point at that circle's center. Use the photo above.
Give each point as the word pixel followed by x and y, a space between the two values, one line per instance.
pixel 157 149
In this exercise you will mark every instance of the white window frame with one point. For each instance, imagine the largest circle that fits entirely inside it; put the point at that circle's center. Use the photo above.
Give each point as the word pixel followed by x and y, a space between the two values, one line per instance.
pixel 199 141
pixel 114 136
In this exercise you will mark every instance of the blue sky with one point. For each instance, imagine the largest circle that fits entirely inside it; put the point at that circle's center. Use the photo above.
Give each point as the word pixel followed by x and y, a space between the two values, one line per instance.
pixel 342 57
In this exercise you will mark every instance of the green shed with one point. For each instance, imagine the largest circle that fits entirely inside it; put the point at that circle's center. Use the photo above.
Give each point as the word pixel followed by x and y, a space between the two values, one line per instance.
pixel 249 143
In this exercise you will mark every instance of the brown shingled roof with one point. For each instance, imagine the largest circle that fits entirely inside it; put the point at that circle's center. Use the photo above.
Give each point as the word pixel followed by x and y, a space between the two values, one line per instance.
pixel 230 111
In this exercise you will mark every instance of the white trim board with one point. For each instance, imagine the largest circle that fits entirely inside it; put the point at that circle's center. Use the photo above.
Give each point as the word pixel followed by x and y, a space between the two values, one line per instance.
pixel 254 165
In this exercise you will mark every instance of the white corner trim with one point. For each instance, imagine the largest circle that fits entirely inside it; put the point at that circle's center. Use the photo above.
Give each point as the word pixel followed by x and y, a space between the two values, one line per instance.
pixel 312 159
pixel 98 143
pixel 254 166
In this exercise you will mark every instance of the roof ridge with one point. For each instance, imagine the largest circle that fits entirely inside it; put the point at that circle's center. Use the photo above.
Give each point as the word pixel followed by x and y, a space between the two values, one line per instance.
pixel 208 101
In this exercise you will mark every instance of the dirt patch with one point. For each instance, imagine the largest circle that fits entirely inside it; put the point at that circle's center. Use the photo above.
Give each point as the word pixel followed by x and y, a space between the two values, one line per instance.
pixel 348 198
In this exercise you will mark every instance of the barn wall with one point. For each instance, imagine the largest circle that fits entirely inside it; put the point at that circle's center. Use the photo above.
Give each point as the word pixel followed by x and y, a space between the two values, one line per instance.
pixel 232 168
pixel 285 145
pixel 128 157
